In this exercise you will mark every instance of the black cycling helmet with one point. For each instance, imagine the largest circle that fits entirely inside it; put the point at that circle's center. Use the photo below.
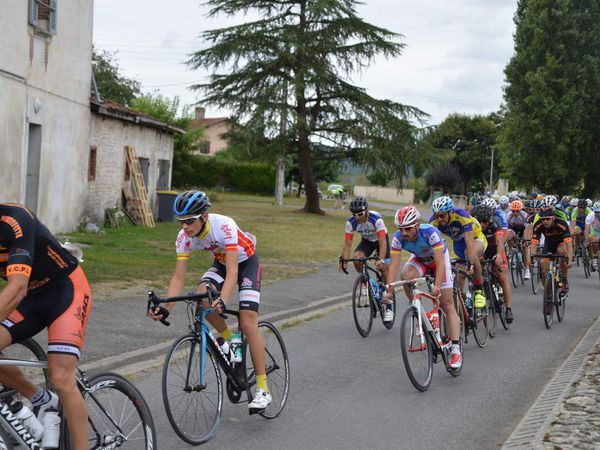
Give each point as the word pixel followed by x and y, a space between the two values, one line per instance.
pixel 547 211
pixel 191 203
pixel 483 213
pixel 582 203
pixel 358 205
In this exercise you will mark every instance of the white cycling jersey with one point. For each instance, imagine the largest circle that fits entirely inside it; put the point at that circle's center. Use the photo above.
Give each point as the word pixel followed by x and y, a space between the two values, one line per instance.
pixel 592 220
pixel 370 230
pixel 221 234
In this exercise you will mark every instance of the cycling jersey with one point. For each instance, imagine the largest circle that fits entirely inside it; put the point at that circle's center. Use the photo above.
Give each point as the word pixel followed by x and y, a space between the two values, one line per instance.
pixel 459 223
pixel 517 221
pixel 371 229
pixel 557 213
pixel 493 229
pixel 503 212
pixel 558 232
pixel 27 248
pixel 579 217
pixel 428 240
pixel 594 223
pixel 221 233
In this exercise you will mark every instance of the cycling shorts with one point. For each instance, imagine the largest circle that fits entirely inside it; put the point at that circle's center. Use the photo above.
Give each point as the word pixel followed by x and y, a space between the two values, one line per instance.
pixel 551 246
pixel 369 247
pixel 248 281
pixel 491 252
pixel 62 307
pixel 429 269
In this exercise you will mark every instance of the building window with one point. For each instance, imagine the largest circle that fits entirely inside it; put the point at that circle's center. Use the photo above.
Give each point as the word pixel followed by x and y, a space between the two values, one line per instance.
pixel 164 167
pixel 43 15
pixel 205 147
pixel 92 165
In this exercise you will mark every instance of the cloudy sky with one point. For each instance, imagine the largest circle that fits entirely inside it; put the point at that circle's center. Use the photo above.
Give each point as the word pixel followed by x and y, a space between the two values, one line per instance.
pixel 454 58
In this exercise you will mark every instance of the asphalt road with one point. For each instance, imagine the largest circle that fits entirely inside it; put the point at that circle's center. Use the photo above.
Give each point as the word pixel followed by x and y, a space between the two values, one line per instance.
pixel 349 392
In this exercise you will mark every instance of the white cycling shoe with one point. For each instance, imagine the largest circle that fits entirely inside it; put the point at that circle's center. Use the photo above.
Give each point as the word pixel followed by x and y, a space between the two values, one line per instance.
pixel 526 274
pixel 388 316
pixel 261 401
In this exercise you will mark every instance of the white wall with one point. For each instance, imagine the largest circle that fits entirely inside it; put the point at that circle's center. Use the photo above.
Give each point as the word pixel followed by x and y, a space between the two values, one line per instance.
pixel 386 194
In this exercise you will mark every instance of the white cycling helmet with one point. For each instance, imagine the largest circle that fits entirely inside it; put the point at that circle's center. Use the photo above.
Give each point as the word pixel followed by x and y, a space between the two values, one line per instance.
pixel 550 200
pixel 407 217
pixel 596 207
pixel 442 204
pixel 503 200
pixel 589 202
pixel 490 202
pixel 574 202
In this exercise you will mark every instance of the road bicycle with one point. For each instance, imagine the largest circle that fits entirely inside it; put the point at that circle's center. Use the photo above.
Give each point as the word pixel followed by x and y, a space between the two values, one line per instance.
pixel 516 261
pixel 192 387
pixel 586 260
pixel 536 273
pixel 367 297
pixel 494 295
pixel 553 296
pixel 472 319
pixel 423 336
pixel 118 415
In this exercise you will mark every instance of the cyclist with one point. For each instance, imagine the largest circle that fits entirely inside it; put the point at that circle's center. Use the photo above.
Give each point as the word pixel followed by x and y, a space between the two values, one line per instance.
pixel 578 217
pixel 235 261
pixel 572 205
pixel 504 205
pixel 46 288
pixel 492 230
pixel 468 240
pixel 564 203
pixel 370 226
pixel 592 233
pixel 429 255
pixel 558 240
pixel 340 198
pixel 517 222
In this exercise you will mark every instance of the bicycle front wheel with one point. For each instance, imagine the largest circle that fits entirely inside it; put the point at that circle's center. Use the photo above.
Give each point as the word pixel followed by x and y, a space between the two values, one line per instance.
pixel 535 277
pixel 362 300
pixel 561 305
pixel 586 261
pixel 118 415
pixel 514 268
pixel 417 351
pixel 30 350
pixel 193 405
pixel 548 300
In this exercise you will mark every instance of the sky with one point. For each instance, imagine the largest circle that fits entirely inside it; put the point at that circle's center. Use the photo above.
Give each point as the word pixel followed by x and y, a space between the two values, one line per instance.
pixel 454 58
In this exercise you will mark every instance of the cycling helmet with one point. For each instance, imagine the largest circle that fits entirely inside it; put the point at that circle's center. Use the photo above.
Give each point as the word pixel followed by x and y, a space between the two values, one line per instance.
pixel 358 205
pixel 513 197
pixel 565 200
pixel 503 200
pixel 540 196
pixel 516 206
pixel 191 203
pixel 574 202
pixel 442 204
pixel 582 203
pixel 596 207
pixel 407 217
pixel 550 200
pixel 547 211
pixel 483 213
pixel 535 203
pixel 589 202
pixel 489 202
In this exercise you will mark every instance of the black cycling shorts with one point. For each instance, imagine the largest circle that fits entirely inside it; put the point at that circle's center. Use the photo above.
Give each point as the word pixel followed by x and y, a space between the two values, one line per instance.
pixel 369 247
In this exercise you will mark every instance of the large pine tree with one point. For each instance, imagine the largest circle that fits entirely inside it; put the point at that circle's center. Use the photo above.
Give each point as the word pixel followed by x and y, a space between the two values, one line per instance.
pixel 293 64
pixel 551 137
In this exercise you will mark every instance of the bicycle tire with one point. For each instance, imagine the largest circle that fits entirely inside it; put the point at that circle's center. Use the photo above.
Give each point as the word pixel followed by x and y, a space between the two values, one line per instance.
pixel 24 350
pixel 5 440
pixel 514 262
pixel 560 304
pixel 277 370
pixel 458 305
pixel 491 308
pixel 184 354
pixel 548 297
pixel 382 309
pixel 409 325
pixel 362 309
pixel 480 325
pixel 105 406
pixel 536 275
pixel 585 261
pixel 446 339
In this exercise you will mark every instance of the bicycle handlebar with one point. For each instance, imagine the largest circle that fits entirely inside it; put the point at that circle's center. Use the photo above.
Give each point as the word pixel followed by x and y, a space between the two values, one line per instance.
pixel 155 301
pixel 414 282
pixel 363 260
pixel 549 255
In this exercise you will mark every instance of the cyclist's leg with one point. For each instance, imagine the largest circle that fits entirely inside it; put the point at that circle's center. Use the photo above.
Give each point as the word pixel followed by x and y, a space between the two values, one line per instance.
pixel 215 276
pixel 362 250
pixel 510 236
pixel 502 275
pixel 413 268
pixel 447 301
pixel 527 246
pixel 561 249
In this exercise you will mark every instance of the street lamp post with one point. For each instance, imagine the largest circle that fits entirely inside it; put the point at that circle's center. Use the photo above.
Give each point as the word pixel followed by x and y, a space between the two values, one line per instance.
pixel 492 170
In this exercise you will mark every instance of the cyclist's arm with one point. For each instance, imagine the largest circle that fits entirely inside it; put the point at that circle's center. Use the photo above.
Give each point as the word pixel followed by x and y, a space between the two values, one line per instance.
pixel 586 233
pixel 469 240
pixel 395 260
pixel 12 294
pixel 381 237
pixel 347 246
pixel 231 267
pixel 177 281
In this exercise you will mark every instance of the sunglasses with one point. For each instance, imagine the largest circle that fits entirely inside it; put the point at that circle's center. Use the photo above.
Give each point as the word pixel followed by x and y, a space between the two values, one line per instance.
pixel 546 219
pixel 360 214
pixel 189 220
pixel 406 229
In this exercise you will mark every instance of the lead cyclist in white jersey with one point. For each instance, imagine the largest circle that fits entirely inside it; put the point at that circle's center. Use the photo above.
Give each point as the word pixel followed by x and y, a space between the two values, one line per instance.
pixel 592 233
pixel 236 262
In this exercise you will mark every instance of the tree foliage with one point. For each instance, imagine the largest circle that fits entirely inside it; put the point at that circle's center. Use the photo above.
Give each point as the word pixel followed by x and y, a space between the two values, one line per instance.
pixel 462 142
pixel 550 136
pixel 111 84
pixel 286 74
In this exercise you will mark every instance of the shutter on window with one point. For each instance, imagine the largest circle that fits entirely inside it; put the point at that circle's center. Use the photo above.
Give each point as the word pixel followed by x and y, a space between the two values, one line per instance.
pixel 33 12
pixel 52 18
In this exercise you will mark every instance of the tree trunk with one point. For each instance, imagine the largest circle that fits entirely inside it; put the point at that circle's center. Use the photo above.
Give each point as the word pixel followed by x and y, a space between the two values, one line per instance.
pixel 312 204
pixel 279 177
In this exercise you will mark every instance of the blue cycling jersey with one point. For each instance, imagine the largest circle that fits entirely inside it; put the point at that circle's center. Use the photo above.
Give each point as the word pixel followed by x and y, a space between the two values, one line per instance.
pixel 428 239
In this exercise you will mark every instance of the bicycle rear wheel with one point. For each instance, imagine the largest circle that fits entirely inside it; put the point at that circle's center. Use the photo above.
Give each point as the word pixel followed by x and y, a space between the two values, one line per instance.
pixel 118 414
pixel 560 304
pixel 458 305
pixel 586 261
pixel 446 339
pixel 362 306
pixel 514 269
pixel 416 354
pixel 548 300
pixel 193 409
pixel 277 369
pixel 481 326
pixel 491 308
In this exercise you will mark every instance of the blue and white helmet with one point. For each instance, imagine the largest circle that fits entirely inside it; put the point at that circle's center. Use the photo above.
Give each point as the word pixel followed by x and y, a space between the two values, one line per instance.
pixel 574 202
pixel 503 200
pixel 191 203
pixel 489 202
pixel 596 207
pixel 442 204
pixel 550 200
pixel 589 202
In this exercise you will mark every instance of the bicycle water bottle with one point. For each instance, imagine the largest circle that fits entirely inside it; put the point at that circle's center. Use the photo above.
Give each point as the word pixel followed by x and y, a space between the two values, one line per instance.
pixel 376 289
pixel 236 347
pixel 30 422
pixel 468 300
pixel 434 318
pixel 51 421
pixel 224 347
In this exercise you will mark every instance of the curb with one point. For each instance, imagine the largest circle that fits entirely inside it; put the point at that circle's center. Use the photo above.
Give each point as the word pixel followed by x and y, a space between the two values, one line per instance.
pixel 155 353
pixel 530 432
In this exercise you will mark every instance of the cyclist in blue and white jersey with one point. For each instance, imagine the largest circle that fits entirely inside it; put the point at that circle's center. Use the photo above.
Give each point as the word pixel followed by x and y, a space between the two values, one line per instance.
pixel 592 233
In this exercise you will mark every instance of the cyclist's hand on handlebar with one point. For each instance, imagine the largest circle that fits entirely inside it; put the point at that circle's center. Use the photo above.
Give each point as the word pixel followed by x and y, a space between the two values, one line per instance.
pixel 436 291
pixel 342 265
pixel 218 305
pixel 158 313
pixel 569 263
pixel 379 264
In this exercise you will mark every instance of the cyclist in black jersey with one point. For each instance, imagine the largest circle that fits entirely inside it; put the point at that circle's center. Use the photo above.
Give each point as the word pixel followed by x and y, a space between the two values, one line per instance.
pixel 45 288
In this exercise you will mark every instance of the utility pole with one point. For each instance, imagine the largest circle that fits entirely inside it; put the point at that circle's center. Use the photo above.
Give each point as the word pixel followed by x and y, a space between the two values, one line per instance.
pixel 492 171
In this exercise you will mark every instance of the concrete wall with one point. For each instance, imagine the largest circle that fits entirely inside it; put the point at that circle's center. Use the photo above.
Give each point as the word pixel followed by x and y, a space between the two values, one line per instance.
pixel 386 194
pixel 110 136
pixel 45 80
pixel 213 135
